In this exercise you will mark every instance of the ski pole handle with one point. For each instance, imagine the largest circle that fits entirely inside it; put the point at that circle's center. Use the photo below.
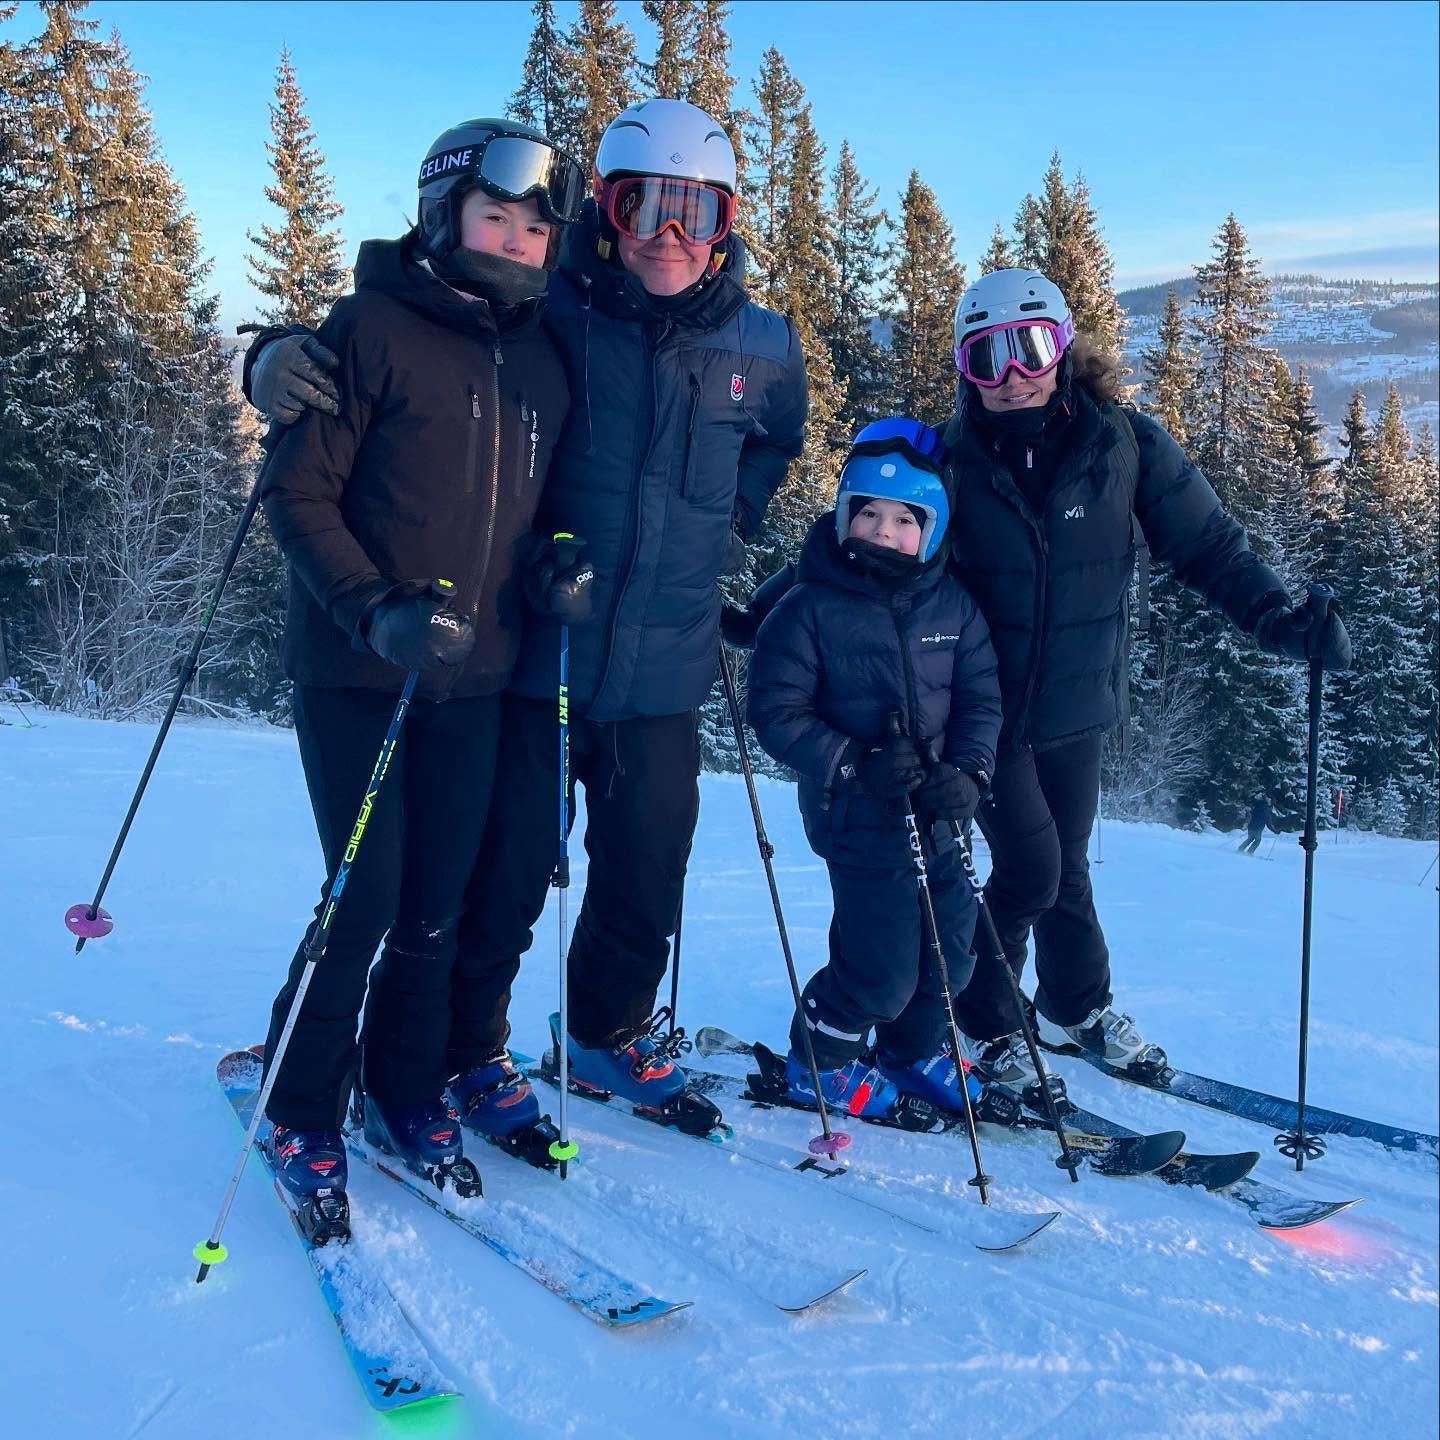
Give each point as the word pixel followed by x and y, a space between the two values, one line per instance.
pixel 1318 601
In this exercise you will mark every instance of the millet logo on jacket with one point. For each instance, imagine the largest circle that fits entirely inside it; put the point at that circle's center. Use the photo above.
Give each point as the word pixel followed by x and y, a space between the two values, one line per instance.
pixel 1076 512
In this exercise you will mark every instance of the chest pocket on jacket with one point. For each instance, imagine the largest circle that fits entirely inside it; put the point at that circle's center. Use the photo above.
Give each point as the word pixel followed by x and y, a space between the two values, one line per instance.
pixel 715 428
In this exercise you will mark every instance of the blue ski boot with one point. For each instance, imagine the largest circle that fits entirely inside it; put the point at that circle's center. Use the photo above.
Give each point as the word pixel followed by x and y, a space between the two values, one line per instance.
pixel 935 1080
pixel 639 1066
pixel 855 1089
pixel 310 1166
pixel 425 1138
pixel 495 1100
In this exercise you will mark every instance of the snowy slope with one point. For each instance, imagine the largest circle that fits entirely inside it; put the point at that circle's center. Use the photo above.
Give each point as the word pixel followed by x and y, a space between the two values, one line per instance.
pixel 1145 1311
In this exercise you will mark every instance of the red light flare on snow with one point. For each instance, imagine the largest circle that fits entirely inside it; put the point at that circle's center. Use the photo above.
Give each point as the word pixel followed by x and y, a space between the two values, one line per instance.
pixel 1331 1240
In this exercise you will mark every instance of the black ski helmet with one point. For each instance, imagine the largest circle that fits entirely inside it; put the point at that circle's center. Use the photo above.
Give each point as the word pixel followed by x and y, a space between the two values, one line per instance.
pixel 465 158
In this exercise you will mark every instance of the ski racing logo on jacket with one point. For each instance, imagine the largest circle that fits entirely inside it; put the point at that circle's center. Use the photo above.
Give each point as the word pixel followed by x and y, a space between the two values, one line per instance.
pixel 737 389
pixel 532 419
pixel 937 639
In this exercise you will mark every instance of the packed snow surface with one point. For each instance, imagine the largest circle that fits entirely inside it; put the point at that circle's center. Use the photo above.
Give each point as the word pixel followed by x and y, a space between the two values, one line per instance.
pixel 1146 1310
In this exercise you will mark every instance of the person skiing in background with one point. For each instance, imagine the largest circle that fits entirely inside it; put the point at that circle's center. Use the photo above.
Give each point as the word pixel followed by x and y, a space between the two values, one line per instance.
pixel 1050 475
pixel 875 627
pixel 1259 820
pixel 689 404
pixel 427 467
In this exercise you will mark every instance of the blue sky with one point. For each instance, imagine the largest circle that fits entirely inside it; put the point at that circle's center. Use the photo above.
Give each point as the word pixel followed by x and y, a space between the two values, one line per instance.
pixel 1316 123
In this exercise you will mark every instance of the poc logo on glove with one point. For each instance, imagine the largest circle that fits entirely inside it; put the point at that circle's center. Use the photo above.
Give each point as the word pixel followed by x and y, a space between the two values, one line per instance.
pixel 447 618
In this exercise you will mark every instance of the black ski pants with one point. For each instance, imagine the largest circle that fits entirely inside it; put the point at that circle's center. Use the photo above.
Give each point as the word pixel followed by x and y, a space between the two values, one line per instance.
pixel 407 878
pixel 1251 843
pixel 882 971
pixel 1037 821
pixel 642 799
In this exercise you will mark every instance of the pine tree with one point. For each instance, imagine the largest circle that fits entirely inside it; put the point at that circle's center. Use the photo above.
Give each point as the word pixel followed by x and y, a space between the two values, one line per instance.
pixel 1030 242
pixel 768 135
pixel 711 85
pixel 852 311
pixel 546 98
pixel 926 285
pixel 1000 255
pixel 1254 703
pixel 301 267
pixel 668 75
pixel 1170 371
pixel 604 72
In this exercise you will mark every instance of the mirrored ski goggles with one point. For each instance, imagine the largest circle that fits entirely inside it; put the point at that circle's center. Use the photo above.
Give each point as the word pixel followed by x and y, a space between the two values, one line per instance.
pixel 515 167
pixel 1030 346
pixel 644 206
pixel 913 439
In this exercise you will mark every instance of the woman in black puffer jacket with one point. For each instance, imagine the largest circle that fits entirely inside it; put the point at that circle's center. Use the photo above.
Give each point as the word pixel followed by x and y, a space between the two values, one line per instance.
pixel 1049 477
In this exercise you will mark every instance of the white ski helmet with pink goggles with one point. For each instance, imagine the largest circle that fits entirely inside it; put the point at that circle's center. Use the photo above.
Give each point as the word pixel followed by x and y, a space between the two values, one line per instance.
pixel 1010 319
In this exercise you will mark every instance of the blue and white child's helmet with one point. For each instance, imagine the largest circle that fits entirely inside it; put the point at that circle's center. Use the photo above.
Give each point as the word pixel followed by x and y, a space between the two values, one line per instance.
pixel 896 459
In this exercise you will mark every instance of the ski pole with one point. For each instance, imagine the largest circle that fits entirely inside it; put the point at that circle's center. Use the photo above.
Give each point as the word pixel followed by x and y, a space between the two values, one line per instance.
pixel 90 922
pixel 829 1142
pixel 1100 830
pixel 564 1149
pixel 212 1252
pixel 1296 1145
pixel 675 956
pixel 1429 868
pixel 1067 1159
pixel 980 1179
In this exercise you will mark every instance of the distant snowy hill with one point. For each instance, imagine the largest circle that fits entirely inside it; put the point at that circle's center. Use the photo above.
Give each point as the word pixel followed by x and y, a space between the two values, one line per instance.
pixel 1347 333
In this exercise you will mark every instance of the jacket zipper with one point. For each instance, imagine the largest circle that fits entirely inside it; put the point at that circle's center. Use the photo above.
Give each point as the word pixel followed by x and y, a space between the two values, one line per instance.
pixel 690 437
pixel 470 591
pixel 633 534
pixel 908 668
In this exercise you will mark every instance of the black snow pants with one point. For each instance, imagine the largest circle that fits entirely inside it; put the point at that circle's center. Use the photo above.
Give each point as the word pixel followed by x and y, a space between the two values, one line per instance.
pixel 642 799
pixel 1036 821
pixel 882 970
pixel 408 878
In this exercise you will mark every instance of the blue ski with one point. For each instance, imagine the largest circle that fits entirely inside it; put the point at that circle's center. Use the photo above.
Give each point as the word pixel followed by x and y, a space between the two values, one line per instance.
pixel 384 1350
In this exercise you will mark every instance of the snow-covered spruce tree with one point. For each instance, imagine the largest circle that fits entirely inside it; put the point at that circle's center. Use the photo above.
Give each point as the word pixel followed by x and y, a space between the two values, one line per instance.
pixel 768 133
pixel 1058 233
pixel 926 281
pixel 1169 370
pixel 668 75
pixel 33 374
pixel 1001 253
pixel 711 85
pixel 300 265
pixel 1254 713
pixel 604 71
pixel 546 98
pixel 800 282
pixel 852 311
pixel 150 468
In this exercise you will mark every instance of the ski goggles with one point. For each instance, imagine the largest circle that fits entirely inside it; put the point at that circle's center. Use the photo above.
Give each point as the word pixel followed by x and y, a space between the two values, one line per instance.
pixel 1030 346
pixel 516 167
pixel 913 439
pixel 644 206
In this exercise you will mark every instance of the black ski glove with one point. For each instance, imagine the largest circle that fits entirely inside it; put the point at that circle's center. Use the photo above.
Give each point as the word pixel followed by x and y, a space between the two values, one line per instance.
pixel 734 553
pixel 887 772
pixel 416 629
pixel 946 794
pixel 739 627
pixel 1291 631
pixel 557 580
pixel 293 374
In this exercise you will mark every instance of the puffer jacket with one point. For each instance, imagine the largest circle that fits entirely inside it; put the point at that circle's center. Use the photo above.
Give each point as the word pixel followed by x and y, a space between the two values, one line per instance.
pixel 844 651
pixel 684 421
pixel 1053 580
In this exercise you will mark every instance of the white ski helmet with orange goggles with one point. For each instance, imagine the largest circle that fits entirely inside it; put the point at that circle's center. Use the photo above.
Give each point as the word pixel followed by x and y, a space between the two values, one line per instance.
pixel 666 164
pixel 1011 319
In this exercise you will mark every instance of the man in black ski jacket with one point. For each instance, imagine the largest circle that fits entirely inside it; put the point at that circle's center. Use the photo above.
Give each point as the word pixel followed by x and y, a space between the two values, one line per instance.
pixel 688 405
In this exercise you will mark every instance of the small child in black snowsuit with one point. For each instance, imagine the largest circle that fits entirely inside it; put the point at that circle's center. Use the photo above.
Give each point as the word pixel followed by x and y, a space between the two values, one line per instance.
pixel 876 628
